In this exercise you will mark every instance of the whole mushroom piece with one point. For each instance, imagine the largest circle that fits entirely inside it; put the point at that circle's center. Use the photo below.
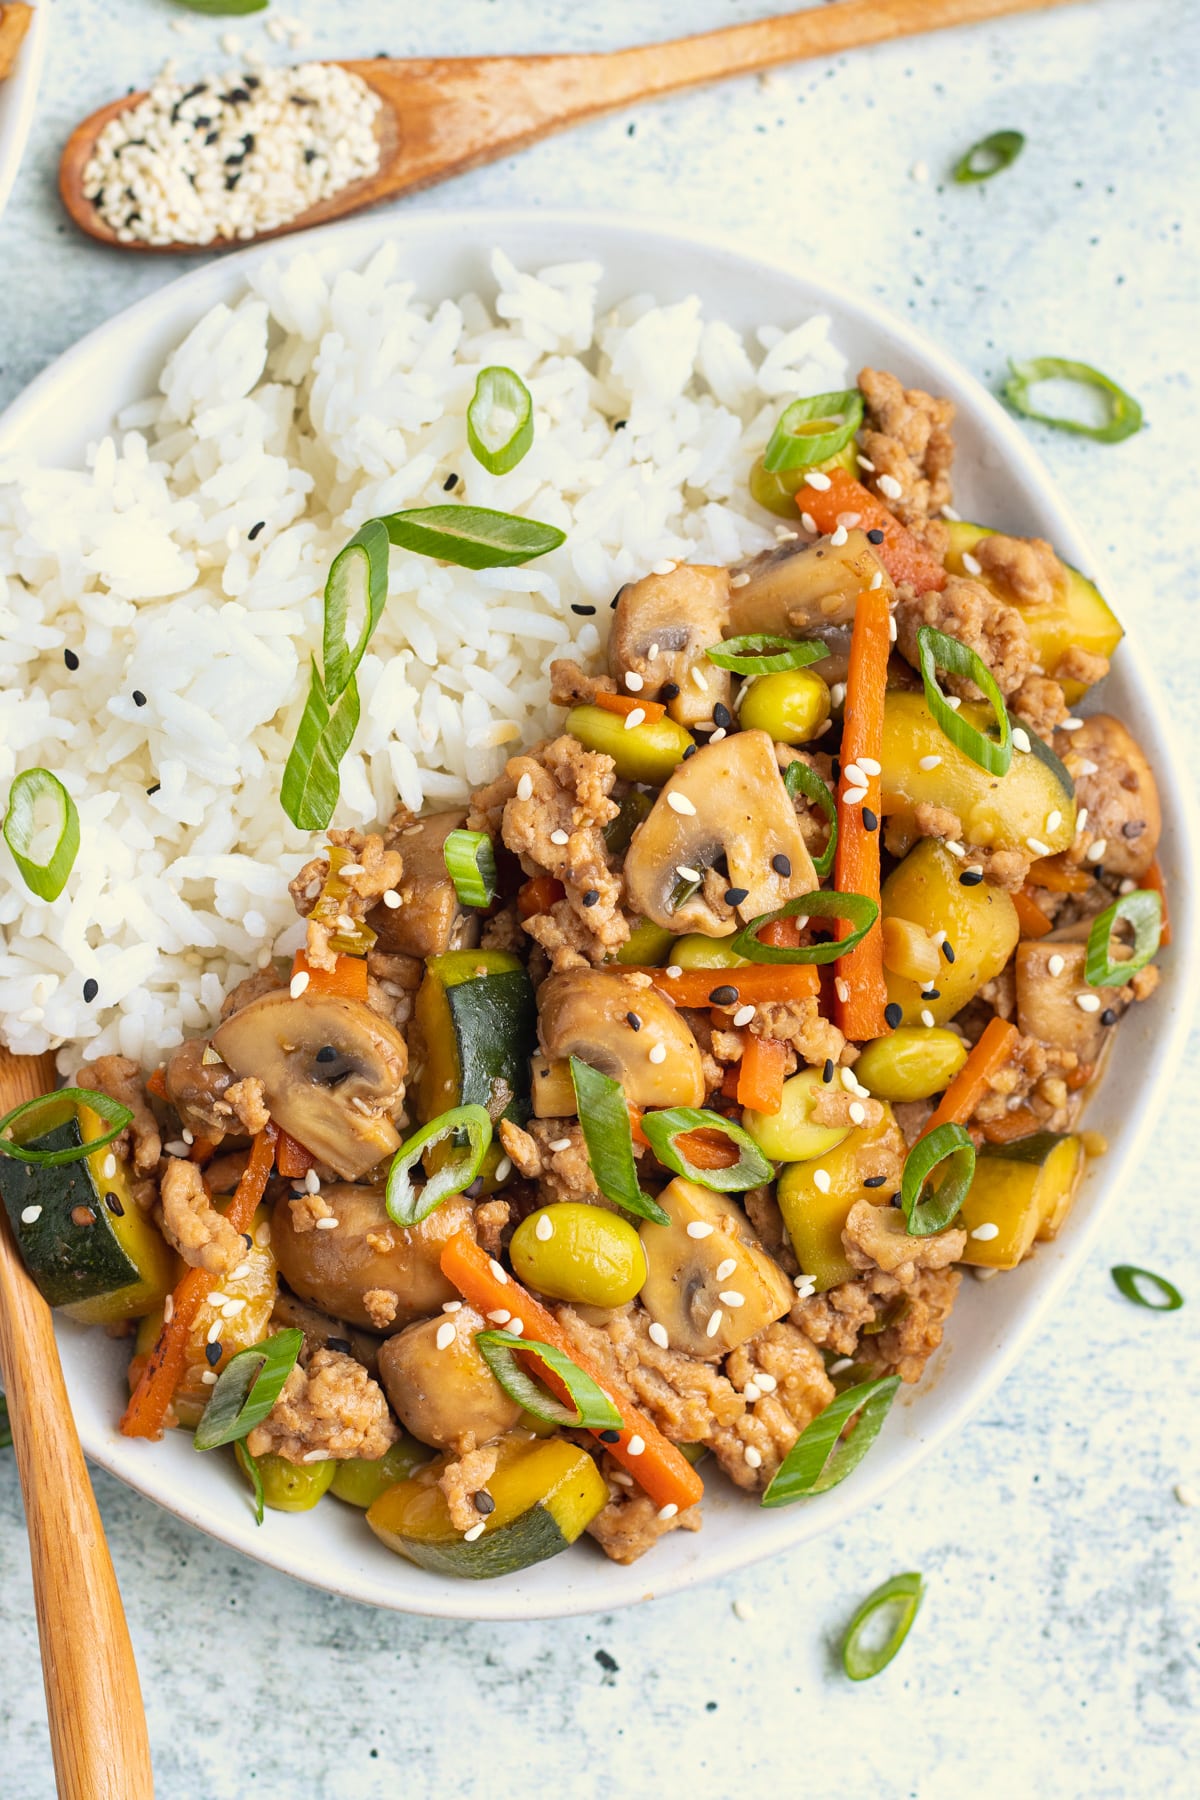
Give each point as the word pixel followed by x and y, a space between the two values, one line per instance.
pixel 661 630
pixel 706 1313
pixel 628 1032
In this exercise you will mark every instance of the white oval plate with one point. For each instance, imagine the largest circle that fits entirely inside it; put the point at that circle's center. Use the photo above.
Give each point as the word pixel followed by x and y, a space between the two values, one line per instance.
pixel 18 97
pixel 1000 480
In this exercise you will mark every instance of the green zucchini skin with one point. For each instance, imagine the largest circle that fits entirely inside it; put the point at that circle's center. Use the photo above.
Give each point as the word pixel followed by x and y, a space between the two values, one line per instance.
pixel 70 1262
pixel 533 1538
pixel 1035 1148
pixel 479 1032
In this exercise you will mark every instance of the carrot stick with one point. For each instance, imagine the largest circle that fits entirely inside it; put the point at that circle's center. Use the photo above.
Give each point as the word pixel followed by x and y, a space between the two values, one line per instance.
pixel 1058 877
pixel 627 703
pixel 1011 1126
pixel 1031 918
pixel 755 982
pixel 292 1159
pixel 760 1074
pixel 538 895
pixel 349 978
pixel 156 1084
pixel 902 554
pixel 971 1083
pixel 658 1467
pixel 147 1410
pixel 860 988
pixel 781 934
pixel 1153 879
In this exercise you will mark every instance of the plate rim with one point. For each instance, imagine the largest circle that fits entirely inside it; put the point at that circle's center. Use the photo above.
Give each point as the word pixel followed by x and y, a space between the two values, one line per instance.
pixel 25 82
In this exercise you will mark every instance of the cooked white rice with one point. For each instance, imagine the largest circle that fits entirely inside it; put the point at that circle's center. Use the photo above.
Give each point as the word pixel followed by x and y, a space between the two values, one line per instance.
pixel 317 402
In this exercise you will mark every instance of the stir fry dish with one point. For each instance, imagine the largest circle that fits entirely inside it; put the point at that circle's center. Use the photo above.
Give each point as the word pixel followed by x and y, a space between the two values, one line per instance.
pixel 632 1124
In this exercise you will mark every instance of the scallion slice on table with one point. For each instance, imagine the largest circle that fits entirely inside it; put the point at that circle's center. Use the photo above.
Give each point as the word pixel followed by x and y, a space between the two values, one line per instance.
pixel 798 778
pixel 1128 1277
pixel 246 1390
pixel 864 1651
pixel 590 1409
pixel 408 1205
pixel 251 1469
pixel 764 653
pixel 791 447
pixel 1124 413
pixel 938 651
pixel 471 865
pixel 950 1144
pixel 666 1132
pixel 47 1111
pixel 500 420
pixel 1143 911
pixel 474 537
pixel 861 912
pixel 604 1117
pixel 40 811
pixel 821 1458
pixel 999 150
pixel 224 9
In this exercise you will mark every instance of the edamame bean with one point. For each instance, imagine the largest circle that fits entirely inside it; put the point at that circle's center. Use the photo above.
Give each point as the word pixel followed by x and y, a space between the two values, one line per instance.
pixel 579 1253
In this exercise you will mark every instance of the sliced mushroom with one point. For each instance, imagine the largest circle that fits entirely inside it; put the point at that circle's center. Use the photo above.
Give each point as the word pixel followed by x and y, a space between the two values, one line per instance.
pixel 1116 784
pixel 332 1073
pixel 366 1254
pixel 804 591
pixel 1047 1003
pixel 662 627
pixel 441 1391
pixel 608 1020
pixel 726 801
pixel 429 918
pixel 704 1313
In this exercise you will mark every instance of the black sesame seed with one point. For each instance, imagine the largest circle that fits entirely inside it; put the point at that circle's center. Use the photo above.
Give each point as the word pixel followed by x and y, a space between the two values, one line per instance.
pixel 970 878
pixel 607 1662
pixel 247 1240
pixel 631 1018
pixel 609 1437
pixel 690 751
pixel 248 142
pixel 483 1502
pixel 327 1053
pixel 155 788
pixel 451 481
pixel 931 993
pixel 201 87
pixel 585 612
pixel 212 137
pixel 725 995
pixel 722 716
pixel 612 605
pixel 948 951
pixel 139 699
pixel 591 897
pixel 310 156
pixel 213 1354
pixel 71 660
pixel 91 988
pixel 113 1203
pixel 342 1345
pixel 255 530
pixel 735 895
pixel 893 1013
pixel 870 819
pixel 827 1071
pixel 620 424
pixel 875 536
pixel 669 690
pixel 782 865
pixel 874 1180
pixel 1108 1016
pixel 251 81
pixel 237 95
pixel 231 181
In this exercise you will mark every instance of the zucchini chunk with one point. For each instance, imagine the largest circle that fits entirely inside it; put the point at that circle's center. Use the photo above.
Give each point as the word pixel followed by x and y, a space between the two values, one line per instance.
pixel 476 1019
pixel 87 1243
pixel 546 1491
pixel 814 1218
pixel 980 923
pixel 1026 1189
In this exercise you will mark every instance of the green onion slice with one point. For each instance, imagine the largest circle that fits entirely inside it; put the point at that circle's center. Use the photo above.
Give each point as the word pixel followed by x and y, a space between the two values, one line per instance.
pixel 408 1205
pixel 861 911
pixel 221 9
pixel 682 892
pixel 474 537
pixel 357 581
pixel 38 806
pixel 937 651
pixel 1124 413
pixel 310 787
pixel 604 1116
pixel 821 1458
pixel 5 1427
pixel 948 1144
pixel 1143 910
pixel 1128 1275
pixel 864 1653
pixel 58 1106
pixel 249 1465
pixel 471 865
pixel 791 447
pixel 500 420
pixel 591 1408
pixel 798 778
pixel 247 1388
pixel 664 1128
pixel 766 653
pixel 989 156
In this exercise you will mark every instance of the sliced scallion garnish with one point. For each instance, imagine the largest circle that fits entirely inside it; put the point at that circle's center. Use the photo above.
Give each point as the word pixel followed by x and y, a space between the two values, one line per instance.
pixel 792 448
pixel 949 1144
pixel 500 420
pixel 864 1652
pixel 604 1116
pixel 40 808
pixel 1143 911
pixel 474 537
pixel 821 1458
pixel 799 778
pixel 765 653
pixel 249 1465
pixel 861 911
pixel 592 1410
pixel 471 865
pixel 246 1390
pixel 1127 1277
pixel 999 150
pixel 938 651
pixel 408 1205
pixel 666 1131
pixel 310 787
pixel 58 1105
pixel 357 582
pixel 1124 413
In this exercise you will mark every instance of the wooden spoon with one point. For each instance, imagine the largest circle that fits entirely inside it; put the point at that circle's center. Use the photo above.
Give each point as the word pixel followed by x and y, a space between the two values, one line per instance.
pixel 442 115
pixel 97 1725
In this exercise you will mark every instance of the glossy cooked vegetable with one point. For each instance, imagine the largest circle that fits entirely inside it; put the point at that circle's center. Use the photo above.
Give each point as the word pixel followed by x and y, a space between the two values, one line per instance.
pixel 776 489
pixel 792 706
pixel 806 589
pixel 1051 975
pixel 646 751
pixel 584 1254
pixel 902 553
pixel 913 1063
pixel 360 1482
pixel 430 918
pixel 791 1134
pixel 980 923
pixel 440 1387
pixel 684 1292
pixel 695 951
pixel 647 944
pixel 859 992
pixel 662 626
pixel 335 1270
pixel 630 1034
pixel 815 1197
pixel 293 1487
pixel 1021 1191
pixel 475 1023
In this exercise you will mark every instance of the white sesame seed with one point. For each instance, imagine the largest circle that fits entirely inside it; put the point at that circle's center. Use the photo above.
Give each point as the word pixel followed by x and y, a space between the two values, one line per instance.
pixel 839 536
pixel 766 1382
pixel 1020 738
pixel 525 788
pixel 176 1147
pixel 725 1269
pixel 809 523
pixel 714 1323
pixel 1096 852
pixel 476 1531
pixel 849 520
pixel 892 628
pixel 890 487
pixel 501 1316
pixel 391 899
pixel 855 775
pixel 1071 725
pixel 815 479
pixel 853 796
pixel 837 693
pixel 1088 1003
pixel 451 1306
pixel 953 702
pixel 876 581
pixel 698 1229
pixel 634 682
pixel 681 804
pixel 635 1446
pixel 805 1286
pixel 858 1112
pixel 986 1232
pixel 668 1511
pixel 674 970
pixel 516 1326
pixel 665 567
pixel 1127 885
pixel 560 837
pixel 841 988
pixel 1087 766
pixel 1056 965
pixel 1038 848
pixel 446 1335
pixel 635 718
pixel 1081 819
pixel 168 1309
pixel 242 1270
pixel 718 734
pixel 739 581
pixel 504 1168
pixel 30 1215
pixel 751 1392
pixel 698 678
pixel 864 462
pixel 841 1365
pixel 497 1271
pixel 821 1180
pixel 955 848
pixel 849 1078
pixel 753 1457
pixel 214 1331
pixel 1053 821
pixel 731 1297
pixel 971 564
pixel 556 1144
pixel 109 1166
pixel 209 1378
pixel 927 1017
pixel 869 766
pixel 658 1335
pixel 658 1053
pixel 544 1229
pixel 743 1015
pixel 312 1181
pixel 232 1308
pixel 298 984
pixel 1186 1496
pixel 687 874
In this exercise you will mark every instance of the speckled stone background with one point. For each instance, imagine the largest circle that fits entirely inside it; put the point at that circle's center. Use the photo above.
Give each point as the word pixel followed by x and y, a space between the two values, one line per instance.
pixel 1056 1656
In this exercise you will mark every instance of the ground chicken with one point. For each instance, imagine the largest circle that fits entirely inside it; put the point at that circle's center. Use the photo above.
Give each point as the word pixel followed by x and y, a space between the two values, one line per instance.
pixel 263 981
pixel 1044 1079
pixel 632 1523
pixel 490 1220
pixel 907 436
pixel 912 1315
pixel 937 821
pixel 800 1024
pixel 306 1209
pixel 762 1210
pixel 1040 704
pixel 877 1237
pixel 503 931
pixel 912 1116
pixel 332 1407
pixel 1026 568
pixel 687 1399
pixel 1078 664
pixel 247 1099
pixel 392 982
pixel 462 1479
pixel 1117 787
pixel 1007 869
pixel 572 686
pixel 552 1152
pixel 381 1305
pixel 831 1103
pixel 966 610
pixel 191 1223
pixel 781 1374
pixel 121 1080
pixel 375 870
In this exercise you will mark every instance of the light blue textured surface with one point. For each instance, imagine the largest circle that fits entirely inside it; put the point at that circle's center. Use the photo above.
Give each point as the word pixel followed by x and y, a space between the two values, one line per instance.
pixel 1056 1655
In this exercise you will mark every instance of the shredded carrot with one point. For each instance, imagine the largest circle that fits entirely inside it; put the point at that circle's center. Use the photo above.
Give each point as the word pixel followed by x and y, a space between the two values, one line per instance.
pixel 902 554
pixel 1030 917
pixel 754 983
pixel 1153 879
pixel 729 1082
pixel 202 1149
pixel 635 1125
pixel 780 934
pixel 1011 1126
pixel 146 1413
pixel 861 990
pixel 156 1084
pixel 657 1466
pixel 627 703
pixel 348 979
pixel 292 1159
pixel 760 1074
pixel 1052 873
pixel 971 1083
pixel 538 895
